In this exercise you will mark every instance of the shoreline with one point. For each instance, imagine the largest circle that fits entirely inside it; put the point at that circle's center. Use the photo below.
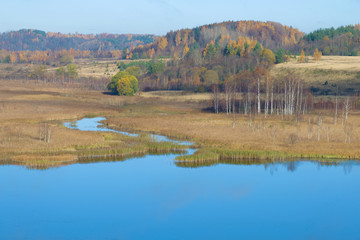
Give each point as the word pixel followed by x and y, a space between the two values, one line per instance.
pixel 177 116
pixel 204 155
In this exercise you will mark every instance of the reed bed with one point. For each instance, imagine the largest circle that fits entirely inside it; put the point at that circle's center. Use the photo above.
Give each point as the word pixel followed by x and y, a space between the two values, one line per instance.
pixel 137 146
pixel 214 155
pixel 24 109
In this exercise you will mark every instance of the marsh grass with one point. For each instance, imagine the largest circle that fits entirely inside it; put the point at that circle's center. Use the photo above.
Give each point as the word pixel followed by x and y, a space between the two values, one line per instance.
pixel 23 109
pixel 217 155
pixel 264 162
pixel 111 151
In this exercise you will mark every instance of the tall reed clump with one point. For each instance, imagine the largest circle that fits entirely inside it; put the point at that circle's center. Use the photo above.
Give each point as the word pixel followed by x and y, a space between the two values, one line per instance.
pixel 220 155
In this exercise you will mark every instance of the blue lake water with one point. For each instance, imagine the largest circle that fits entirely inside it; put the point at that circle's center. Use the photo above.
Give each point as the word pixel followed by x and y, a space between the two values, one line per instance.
pixel 152 198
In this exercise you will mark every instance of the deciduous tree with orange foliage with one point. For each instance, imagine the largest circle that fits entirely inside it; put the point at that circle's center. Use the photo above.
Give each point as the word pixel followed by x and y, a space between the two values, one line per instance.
pixel 317 55
pixel 163 42
pixel 186 50
pixel 302 56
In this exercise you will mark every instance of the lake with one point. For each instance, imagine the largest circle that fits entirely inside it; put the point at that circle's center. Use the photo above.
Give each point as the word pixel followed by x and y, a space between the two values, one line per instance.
pixel 152 198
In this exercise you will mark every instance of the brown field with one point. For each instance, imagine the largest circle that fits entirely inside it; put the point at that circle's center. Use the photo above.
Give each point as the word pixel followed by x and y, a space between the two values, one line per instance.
pixel 336 63
pixel 272 134
pixel 97 68
pixel 330 73
pixel 26 108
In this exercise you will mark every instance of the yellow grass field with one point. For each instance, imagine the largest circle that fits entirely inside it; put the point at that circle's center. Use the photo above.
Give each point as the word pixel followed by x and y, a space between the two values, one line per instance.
pixel 336 63
pixel 95 68
pixel 26 108
pixel 330 73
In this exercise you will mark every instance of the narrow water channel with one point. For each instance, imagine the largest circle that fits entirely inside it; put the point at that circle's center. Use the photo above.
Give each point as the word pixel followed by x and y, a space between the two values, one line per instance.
pixel 152 198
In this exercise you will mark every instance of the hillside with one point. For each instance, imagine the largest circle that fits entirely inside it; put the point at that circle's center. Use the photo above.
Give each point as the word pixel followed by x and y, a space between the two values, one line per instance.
pixel 330 75
pixel 239 35
pixel 37 40
pixel 195 59
pixel 344 41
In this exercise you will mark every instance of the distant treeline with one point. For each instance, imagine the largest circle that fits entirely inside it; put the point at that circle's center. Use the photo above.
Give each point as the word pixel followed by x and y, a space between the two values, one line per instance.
pixel 230 38
pixel 236 38
pixel 238 35
pixel 36 40
pixel 344 40
pixel 48 57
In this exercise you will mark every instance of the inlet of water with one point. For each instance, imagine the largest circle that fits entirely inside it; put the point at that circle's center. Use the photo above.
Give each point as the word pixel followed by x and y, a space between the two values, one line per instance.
pixel 152 198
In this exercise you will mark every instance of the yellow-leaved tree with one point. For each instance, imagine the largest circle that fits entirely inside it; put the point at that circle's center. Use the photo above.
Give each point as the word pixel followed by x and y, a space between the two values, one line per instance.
pixel 269 56
pixel 302 56
pixel 123 83
pixel 127 85
pixel 163 43
pixel 186 50
pixel 317 55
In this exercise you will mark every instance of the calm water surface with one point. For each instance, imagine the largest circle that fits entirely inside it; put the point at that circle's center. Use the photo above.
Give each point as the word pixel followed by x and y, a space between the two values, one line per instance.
pixel 152 198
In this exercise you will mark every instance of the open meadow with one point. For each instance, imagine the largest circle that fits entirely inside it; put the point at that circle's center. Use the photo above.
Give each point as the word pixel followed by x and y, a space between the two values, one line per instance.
pixel 27 109
pixel 330 75
pixel 33 112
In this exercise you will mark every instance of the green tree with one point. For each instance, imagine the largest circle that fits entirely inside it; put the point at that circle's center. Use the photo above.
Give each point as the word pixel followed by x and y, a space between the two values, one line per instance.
pixel 61 72
pixel 210 51
pixel 7 59
pixel 134 83
pixel 155 67
pixel 280 56
pixel 72 71
pixel 134 70
pixel 258 49
pixel 123 84
pixel 230 49
pixel 112 85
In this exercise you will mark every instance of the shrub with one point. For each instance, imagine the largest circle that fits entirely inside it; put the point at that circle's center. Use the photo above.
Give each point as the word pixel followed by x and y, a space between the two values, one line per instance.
pixel 123 84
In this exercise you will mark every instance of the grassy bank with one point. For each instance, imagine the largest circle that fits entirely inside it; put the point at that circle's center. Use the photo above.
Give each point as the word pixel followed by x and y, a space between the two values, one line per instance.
pixel 115 147
pixel 221 155
pixel 330 75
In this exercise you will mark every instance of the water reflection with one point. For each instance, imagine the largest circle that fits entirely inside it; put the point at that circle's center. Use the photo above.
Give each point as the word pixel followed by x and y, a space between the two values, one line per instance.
pixel 153 197
pixel 94 124
pixel 272 166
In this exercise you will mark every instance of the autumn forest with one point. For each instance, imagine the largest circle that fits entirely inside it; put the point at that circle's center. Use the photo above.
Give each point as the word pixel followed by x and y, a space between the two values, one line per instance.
pixel 233 58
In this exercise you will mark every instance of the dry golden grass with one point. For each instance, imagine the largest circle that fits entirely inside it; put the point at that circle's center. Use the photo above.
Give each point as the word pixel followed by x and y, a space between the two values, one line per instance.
pixel 185 120
pixel 339 63
pixel 178 96
pixel 340 70
pixel 25 108
pixel 95 68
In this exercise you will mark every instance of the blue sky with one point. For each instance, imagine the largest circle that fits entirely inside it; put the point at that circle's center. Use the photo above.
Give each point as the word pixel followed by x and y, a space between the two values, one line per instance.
pixel 161 16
